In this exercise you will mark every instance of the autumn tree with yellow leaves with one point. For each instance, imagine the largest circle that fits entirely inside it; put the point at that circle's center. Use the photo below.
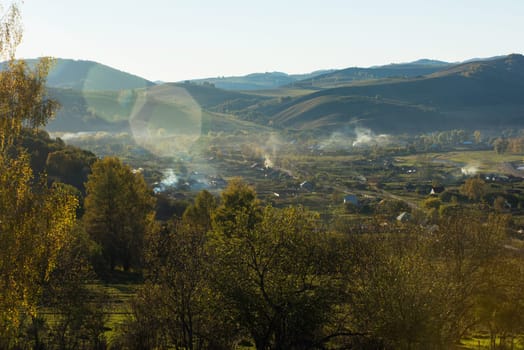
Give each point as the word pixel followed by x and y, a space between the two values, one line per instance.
pixel 35 221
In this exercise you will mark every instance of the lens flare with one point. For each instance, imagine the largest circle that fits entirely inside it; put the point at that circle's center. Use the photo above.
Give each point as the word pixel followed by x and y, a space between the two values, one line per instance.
pixel 166 120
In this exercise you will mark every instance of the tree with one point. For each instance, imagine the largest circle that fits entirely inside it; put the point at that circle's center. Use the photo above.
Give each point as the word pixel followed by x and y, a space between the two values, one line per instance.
pixel 499 204
pixel 176 307
pixel 119 209
pixel 70 165
pixel 500 303
pixel 79 310
pixel 473 188
pixel 35 220
pixel 392 292
pixel 431 203
pixel 199 215
pixel 420 290
pixel 237 199
pixel 276 273
pixel 468 245
pixel 500 145
pixel 478 136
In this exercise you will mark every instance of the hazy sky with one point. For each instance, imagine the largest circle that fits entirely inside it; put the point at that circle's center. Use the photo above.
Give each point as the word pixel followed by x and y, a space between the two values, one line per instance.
pixel 174 40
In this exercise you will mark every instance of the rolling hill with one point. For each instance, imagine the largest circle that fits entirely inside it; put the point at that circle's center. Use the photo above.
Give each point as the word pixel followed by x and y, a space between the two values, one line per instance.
pixel 259 81
pixel 482 94
pixel 487 94
pixel 356 74
pixel 90 76
pixel 166 104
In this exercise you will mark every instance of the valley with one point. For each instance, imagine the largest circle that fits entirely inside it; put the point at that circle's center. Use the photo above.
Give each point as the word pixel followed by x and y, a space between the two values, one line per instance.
pixel 377 164
pixel 261 175
pixel 389 132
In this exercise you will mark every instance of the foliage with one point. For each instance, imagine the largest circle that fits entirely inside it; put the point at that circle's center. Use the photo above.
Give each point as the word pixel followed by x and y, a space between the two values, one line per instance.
pixel 284 282
pixel 70 165
pixel 118 212
pixel 34 220
pixel 237 199
pixel 79 310
pixel 432 203
pixel 473 188
pixel 500 145
pixel 393 289
pixel 176 305
pixel 391 207
pixel 35 225
pixel 200 214
pixel 23 100
pixel 420 290
pixel 62 163
pixel 233 272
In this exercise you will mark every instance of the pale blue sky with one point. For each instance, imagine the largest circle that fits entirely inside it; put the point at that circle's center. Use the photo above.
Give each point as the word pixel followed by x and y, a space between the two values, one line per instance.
pixel 174 40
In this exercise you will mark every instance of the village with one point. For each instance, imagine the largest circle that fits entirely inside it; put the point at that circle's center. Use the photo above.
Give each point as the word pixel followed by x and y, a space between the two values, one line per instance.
pixel 357 183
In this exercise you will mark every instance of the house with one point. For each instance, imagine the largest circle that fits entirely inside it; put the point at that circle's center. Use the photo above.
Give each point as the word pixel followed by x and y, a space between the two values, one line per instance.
pixel 436 190
pixel 497 178
pixel 217 181
pixel 351 199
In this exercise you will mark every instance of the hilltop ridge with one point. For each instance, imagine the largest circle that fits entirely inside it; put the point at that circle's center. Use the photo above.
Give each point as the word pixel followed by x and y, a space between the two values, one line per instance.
pixel 87 75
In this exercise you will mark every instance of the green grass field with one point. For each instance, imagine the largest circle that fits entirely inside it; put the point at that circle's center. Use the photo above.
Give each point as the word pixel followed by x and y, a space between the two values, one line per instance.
pixel 485 161
pixel 481 341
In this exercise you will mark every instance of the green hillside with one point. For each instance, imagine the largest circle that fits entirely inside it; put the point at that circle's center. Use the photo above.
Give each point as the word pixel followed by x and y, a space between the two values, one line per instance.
pixel 336 112
pixel 169 107
pixel 474 95
pixel 482 95
pixel 89 76
pixel 215 98
pixel 91 110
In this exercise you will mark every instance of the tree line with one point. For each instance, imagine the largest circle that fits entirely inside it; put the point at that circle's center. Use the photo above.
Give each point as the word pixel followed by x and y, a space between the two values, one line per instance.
pixel 235 272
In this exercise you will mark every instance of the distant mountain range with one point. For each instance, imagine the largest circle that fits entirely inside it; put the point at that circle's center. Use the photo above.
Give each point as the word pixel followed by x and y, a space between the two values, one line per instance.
pixel 325 78
pixel 92 76
pixel 259 81
pixel 355 74
pixel 420 96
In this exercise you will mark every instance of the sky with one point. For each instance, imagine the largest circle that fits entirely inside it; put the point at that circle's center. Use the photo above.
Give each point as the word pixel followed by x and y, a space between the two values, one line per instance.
pixel 174 40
